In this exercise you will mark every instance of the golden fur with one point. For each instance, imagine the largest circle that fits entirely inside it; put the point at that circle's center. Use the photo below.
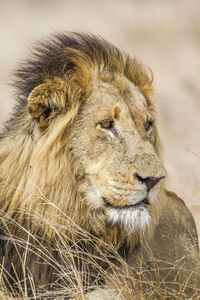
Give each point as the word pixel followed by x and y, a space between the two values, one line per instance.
pixel 59 154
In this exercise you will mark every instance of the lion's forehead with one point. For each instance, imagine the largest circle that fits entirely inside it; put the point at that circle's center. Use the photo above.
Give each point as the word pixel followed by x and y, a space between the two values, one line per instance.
pixel 106 96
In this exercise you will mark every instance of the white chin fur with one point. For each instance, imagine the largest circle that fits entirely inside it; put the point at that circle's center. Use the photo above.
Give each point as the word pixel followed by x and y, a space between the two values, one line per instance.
pixel 131 219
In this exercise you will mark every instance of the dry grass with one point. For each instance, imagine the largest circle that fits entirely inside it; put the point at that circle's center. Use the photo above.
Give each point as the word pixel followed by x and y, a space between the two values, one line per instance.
pixel 86 274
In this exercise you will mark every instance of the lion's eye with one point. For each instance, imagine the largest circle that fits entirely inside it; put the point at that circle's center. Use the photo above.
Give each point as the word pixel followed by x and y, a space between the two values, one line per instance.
pixel 149 126
pixel 107 124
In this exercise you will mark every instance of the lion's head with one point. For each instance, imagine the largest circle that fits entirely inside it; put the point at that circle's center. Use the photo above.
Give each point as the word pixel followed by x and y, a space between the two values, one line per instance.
pixel 84 139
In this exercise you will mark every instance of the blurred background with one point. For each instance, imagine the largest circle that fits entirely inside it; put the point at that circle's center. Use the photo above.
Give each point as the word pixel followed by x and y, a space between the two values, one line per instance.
pixel 164 35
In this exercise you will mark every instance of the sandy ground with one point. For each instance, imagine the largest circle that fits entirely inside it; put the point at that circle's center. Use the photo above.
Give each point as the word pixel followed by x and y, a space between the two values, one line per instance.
pixel 165 35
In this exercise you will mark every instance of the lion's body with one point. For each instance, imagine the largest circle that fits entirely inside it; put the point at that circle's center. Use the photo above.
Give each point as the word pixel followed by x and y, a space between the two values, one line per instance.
pixel 83 149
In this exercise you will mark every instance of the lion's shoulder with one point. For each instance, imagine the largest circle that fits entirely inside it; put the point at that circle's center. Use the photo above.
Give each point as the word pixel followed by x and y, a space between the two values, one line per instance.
pixel 181 214
pixel 175 227
pixel 175 234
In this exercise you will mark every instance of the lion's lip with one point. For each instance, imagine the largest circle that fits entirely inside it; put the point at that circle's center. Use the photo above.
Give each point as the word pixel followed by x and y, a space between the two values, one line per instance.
pixel 143 202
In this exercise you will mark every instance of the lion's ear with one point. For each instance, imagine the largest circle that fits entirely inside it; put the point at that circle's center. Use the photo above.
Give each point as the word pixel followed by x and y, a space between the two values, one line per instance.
pixel 46 101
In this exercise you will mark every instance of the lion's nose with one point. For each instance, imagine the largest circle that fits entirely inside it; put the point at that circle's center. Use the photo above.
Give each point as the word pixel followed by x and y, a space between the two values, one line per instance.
pixel 149 181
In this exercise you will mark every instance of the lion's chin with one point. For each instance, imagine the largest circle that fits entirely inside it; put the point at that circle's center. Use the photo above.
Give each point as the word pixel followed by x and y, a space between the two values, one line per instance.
pixel 131 219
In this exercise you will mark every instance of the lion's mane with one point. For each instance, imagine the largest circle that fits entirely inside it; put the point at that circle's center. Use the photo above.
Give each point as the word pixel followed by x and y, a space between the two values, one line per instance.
pixel 39 176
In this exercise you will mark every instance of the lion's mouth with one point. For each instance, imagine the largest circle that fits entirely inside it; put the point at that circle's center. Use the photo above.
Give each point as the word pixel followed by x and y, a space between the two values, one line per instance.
pixel 143 203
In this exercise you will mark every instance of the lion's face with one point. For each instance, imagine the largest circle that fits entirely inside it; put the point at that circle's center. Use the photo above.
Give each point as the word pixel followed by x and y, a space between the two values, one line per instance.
pixel 115 147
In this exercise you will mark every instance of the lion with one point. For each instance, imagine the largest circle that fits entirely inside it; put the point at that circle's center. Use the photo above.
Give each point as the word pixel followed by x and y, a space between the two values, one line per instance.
pixel 82 153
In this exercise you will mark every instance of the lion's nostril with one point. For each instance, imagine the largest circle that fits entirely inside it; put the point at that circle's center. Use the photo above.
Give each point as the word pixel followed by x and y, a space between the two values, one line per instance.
pixel 149 181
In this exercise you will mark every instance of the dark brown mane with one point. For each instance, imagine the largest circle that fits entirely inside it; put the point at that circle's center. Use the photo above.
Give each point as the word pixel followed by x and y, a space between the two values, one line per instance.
pixel 54 58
